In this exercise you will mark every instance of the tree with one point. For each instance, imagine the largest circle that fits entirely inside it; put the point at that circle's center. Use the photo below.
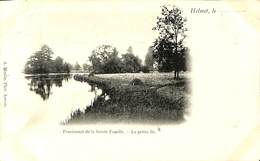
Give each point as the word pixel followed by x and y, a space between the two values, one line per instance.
pixel 104 59
pixel 58 64
pixel 86 67
pixel 168 47
pixel 145 69
pixel 67 67
pixel 149 61
pixel 129 50
pixel 77 66
pixel 130 62
pixel 40 62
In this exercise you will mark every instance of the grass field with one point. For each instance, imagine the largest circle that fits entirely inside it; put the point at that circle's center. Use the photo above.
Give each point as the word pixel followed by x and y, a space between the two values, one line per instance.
pixel 159 98
pixel 152 79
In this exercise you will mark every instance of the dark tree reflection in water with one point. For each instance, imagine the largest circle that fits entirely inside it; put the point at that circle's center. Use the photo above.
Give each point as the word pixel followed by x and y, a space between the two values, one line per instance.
pixel 42 84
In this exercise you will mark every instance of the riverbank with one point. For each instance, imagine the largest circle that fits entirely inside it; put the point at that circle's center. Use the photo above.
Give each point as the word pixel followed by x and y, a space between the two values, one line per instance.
pixel 139 97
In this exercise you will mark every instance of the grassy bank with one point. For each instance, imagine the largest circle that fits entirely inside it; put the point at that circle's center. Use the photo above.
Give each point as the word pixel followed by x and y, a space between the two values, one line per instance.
pixel 157 98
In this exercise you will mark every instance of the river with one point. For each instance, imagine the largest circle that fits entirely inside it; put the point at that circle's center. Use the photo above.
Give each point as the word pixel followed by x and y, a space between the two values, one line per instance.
pixel 37 98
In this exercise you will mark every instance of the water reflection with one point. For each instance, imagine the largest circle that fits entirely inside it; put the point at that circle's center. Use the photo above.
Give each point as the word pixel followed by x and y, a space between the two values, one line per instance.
pixel 42 84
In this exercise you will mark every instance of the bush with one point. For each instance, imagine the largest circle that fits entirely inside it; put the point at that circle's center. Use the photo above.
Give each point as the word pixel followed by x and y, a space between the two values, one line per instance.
pixel 136 81
pixel 145 69
pixel 91 74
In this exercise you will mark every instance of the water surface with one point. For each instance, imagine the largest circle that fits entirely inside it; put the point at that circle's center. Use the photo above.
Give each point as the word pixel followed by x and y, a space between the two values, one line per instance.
pixel 52 98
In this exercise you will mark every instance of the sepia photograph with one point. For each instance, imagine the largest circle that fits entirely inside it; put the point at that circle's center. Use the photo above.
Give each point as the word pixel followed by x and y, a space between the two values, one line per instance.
pixel 130 80
pixel 126 69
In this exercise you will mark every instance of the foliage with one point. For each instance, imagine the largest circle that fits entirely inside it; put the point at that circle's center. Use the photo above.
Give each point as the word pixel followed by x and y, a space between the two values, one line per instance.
pixel 130 62
pixel 41 62
pixel 136 81
pixel 86 67
pixel 58 64
pixel 104 59
pixel 145 69
pixel 149 61
pixel 67 67
pixel 77 66
pixel 169 50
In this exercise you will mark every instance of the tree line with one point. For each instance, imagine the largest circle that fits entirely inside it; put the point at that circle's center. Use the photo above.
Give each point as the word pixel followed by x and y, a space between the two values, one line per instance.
pixel 167 53
pixel 105 59
pixel 42 62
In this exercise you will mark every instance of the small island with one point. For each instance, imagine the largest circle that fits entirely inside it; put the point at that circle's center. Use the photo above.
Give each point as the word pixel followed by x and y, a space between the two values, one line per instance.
pixel 41 62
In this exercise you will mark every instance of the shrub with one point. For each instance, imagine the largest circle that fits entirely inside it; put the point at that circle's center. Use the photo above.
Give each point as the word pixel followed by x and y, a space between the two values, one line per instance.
pixel 145 69
pixel 136 81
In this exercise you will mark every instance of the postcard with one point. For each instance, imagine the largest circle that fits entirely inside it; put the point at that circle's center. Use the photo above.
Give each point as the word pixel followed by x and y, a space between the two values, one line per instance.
pixel 125 80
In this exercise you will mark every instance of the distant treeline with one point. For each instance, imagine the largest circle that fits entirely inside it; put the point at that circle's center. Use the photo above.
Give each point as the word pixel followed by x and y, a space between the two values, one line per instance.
pixel 105 59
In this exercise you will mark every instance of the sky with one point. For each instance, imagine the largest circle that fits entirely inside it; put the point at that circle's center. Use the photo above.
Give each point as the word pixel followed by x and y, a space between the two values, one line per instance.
pixel 74 28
